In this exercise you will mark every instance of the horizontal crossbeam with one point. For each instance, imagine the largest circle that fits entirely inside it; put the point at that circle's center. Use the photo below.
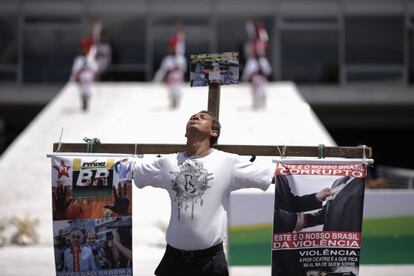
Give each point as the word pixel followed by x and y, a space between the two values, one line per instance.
pixel 256 150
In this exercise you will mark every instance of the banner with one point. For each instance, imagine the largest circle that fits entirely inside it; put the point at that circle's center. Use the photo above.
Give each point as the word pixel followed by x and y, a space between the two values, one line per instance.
pixel 219 69
pixel 318 218
pixel 92 215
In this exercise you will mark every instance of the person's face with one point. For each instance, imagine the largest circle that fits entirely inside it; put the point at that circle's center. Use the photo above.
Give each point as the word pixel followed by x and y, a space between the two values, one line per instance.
pixel 90 238
pixel 76 237
pixel 202 122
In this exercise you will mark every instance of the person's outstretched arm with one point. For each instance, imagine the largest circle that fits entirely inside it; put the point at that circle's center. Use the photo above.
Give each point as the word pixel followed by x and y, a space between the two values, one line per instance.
pixel 124 250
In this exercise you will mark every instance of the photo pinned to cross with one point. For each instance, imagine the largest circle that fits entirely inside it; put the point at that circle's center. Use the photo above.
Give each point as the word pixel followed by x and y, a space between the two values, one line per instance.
pixel 214 69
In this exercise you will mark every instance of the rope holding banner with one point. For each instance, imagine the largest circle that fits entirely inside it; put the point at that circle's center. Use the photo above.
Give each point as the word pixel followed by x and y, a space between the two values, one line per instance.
pixel 60 141
pixel 282 152
pixel 90 142
pixel 364 154
pixel 321 151
pixel 364 157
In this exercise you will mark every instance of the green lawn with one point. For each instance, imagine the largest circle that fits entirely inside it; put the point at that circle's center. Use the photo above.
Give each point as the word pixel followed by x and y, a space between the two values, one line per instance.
pixel 388 241
pixel 384 241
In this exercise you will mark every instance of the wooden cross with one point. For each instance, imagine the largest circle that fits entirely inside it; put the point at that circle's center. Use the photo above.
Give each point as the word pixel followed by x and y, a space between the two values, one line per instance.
pixel 214 99
pixel 253 150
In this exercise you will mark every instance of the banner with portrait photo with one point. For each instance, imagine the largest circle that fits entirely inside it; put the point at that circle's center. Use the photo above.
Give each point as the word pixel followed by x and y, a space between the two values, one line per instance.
pixel 318 217
pixel 92 214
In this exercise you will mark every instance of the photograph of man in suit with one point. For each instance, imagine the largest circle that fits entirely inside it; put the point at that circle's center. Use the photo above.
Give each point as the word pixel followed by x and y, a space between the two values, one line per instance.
pixel 288 205
pixel 343 210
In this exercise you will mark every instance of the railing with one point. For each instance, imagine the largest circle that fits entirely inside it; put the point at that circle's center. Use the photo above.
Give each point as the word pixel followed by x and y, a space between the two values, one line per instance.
pixel 397 178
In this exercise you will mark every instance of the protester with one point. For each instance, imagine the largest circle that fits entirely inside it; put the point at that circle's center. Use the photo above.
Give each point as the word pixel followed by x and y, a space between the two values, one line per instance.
pixel 199 182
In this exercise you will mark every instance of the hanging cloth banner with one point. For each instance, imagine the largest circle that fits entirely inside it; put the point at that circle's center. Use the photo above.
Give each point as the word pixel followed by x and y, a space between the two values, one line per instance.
pixel 318 217
pixel 92 214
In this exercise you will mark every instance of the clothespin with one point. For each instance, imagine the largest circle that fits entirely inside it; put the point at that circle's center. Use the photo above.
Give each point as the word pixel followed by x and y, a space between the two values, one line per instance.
pixel 321 151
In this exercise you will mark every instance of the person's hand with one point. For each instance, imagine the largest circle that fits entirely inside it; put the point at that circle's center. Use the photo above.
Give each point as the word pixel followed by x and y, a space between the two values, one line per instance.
pixel 60 198
pixel 324 193
pixel 121 248
pixel 121 202
pixel 116 236
pixel 300 222
pixel 110 243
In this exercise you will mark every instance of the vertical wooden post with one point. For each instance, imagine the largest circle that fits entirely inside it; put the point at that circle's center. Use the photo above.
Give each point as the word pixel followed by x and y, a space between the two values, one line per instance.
pixel 214 99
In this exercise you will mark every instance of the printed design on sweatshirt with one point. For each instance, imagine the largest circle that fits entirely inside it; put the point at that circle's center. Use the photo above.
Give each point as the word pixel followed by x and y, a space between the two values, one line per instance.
pixel 189 185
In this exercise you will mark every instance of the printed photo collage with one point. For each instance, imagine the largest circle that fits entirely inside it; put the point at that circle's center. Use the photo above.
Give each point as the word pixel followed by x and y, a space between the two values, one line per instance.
pixel 92 215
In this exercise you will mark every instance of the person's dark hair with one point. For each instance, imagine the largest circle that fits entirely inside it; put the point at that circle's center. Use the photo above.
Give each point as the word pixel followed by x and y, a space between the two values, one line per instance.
pixel 215 126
